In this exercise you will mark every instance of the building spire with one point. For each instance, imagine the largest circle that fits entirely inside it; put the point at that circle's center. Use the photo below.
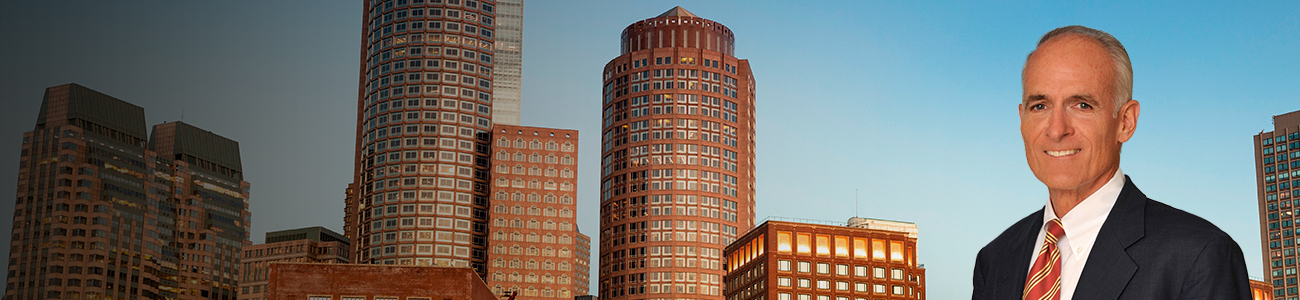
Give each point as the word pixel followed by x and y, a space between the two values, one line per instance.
pixel 677 11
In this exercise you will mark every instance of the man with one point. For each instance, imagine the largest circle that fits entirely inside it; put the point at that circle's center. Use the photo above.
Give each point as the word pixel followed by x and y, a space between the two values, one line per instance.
pixel 1098 237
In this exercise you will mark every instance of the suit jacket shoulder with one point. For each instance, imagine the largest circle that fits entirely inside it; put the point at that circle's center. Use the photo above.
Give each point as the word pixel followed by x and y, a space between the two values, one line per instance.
pixel 1149 250
pixel 996 265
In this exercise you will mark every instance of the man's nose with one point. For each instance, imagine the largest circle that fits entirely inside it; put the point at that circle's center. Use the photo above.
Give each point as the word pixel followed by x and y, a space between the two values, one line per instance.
pixel 1059 124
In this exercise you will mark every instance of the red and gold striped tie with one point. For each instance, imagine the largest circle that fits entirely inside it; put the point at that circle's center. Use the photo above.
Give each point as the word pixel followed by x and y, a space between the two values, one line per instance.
pixel 1044 281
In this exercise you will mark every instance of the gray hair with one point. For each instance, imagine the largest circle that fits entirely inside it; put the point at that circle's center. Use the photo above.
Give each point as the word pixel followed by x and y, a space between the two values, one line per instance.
pixel 1123 68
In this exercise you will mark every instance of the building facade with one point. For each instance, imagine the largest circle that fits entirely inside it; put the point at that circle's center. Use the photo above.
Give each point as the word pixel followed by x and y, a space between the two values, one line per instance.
pixel 677 171
pixel 1277 169
pixel 508 73
pixel 304 245
pixel 308 281
pixel 1260 290
pixel 420 190
pixel 105 211
pixel 533 217
pixel 863 259
pixel 582 284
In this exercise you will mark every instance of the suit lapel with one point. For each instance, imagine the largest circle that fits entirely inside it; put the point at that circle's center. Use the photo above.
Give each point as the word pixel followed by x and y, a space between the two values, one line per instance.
pixel 1015 273
pixel 1109 267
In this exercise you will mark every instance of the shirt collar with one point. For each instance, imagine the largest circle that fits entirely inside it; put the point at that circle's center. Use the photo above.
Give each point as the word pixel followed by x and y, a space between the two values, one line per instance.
pixel 1089 214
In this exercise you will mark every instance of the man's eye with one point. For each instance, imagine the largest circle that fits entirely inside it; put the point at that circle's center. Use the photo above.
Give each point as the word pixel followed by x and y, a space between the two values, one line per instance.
pixel 1084 105
pixel 1039 106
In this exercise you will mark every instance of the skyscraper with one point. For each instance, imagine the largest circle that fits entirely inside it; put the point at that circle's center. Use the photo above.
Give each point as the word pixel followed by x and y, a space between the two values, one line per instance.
pixel 1277 171
pixel 424 104
pixel 677 171
pixel 534 212
pixel 104 212
pixel 507 74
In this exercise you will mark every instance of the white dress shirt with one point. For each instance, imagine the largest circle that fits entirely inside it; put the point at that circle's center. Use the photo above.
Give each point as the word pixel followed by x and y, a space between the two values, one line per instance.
pixel 1081 225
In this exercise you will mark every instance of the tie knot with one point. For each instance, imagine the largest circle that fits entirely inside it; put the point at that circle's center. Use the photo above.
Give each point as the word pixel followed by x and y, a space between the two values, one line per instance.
pixel 1054 230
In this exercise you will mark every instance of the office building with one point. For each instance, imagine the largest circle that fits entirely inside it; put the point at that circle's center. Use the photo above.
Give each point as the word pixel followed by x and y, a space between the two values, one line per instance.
pixel 309 281
pixel 677 163
pixel 789 259
pixel 533 217
pixel 303 245
pixel 582 284
pixel 1260 290
pixel 1277 169
pixel 420 187
pixel 105 211
pixel 508 73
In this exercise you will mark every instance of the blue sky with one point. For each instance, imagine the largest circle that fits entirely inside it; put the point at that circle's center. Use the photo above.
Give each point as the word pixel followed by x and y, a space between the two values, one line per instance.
pixel 911 104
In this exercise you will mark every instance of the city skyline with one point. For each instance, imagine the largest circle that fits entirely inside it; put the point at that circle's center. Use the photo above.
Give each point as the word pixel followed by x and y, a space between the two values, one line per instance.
pixel 929 92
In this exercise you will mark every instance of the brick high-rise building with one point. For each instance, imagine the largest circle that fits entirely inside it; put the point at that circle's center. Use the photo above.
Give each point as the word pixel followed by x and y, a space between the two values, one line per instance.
pixel 582 284
pixel 799 260
pixel 106 212
pixel 1277 169
pixel 534 212
pixel 677 165
pixel 303 245
pixel 419 194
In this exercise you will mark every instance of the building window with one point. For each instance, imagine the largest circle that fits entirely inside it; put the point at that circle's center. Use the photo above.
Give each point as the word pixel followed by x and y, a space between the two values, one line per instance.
pixel 805 267
pixel 783 265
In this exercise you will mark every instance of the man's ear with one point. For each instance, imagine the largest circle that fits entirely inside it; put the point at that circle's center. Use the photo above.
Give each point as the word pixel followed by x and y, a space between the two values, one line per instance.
pixel 1128 119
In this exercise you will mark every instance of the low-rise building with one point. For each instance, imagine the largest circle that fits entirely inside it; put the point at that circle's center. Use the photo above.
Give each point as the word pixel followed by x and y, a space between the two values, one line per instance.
pixel 314 281
pixel 792 259
pixel 304 245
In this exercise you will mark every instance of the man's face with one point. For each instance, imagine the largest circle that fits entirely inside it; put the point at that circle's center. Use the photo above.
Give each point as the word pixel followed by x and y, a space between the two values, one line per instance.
pixel 1072 136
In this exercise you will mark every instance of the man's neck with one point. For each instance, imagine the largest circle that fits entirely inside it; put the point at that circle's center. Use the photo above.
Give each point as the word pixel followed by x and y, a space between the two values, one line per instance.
pixel 1065 200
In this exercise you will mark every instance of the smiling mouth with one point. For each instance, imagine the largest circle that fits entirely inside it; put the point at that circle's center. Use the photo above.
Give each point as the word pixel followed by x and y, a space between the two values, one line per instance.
pixel 1062 152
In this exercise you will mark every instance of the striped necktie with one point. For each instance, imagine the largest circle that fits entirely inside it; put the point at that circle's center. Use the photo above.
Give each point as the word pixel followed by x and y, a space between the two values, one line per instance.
pixel 1044 281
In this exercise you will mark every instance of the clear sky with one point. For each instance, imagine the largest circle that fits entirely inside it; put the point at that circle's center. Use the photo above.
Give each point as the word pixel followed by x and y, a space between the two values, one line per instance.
pixel 910 103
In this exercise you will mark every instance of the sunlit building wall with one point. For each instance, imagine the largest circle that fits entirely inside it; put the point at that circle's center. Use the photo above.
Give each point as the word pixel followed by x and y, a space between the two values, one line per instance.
pixel 677 163
pixel 1277 171
pixel 791 259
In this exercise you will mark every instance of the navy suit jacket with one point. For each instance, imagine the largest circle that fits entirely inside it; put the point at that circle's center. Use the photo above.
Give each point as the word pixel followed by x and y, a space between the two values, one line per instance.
pixel 1145 250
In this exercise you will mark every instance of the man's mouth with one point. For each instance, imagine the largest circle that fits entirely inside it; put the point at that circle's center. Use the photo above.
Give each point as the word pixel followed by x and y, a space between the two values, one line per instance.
pixel 1060 153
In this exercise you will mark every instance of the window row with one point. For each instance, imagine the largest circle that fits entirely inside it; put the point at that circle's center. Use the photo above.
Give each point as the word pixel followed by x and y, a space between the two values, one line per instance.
pixel 532 237
pixel 533 197
pixel 534 145
pixel 535 157
pixel 803 243
pixel 416 90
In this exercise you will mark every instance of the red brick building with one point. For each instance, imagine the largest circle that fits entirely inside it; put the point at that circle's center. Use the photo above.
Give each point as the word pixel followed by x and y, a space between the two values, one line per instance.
pixel 533 212
pixel 583 283
pixel 677 168
pixel 1260 290
pixel 819 260
pixel 307 245
pixel 307 281
pixel 1277 177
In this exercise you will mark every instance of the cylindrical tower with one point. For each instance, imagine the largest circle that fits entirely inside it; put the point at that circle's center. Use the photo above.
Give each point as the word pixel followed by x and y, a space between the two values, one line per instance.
pixel 677 167
pixel 419 194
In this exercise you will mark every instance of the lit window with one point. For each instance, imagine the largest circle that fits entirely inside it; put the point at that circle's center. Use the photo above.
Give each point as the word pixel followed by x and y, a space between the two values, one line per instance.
pixel 783 265
pixel 841 246
pixel 859 248
pixel 823 245
pixel 805 267
pixel 877 249
pixel 896 251
pixel 804 243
